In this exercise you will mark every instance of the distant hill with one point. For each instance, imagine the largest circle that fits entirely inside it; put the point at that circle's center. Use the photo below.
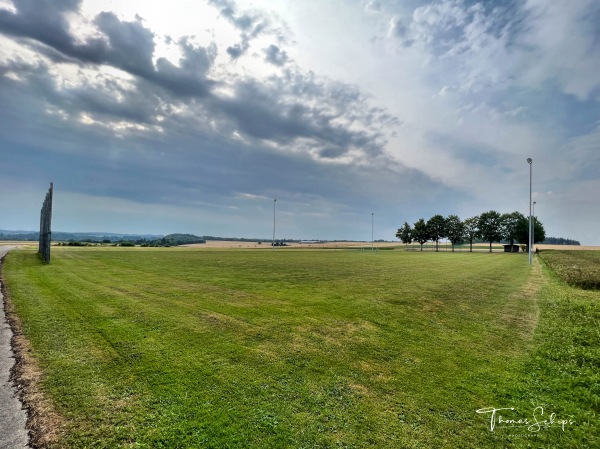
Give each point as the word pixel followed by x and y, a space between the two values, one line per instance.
pixel 75 236
pixel 128 239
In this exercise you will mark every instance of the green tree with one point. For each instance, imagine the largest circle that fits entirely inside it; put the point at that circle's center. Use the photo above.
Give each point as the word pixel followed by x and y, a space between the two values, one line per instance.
pixel 455 229
pixel 471 230
pixel 510 224
pixel 420 232
pixel 490 227
pixel 404 233
pixel 437 229
pixel 522 231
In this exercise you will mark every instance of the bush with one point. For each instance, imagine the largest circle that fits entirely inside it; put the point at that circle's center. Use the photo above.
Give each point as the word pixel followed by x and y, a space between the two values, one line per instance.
pixel 75 243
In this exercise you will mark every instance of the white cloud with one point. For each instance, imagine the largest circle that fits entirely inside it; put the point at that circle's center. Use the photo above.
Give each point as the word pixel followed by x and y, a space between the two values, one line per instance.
pixel 562 45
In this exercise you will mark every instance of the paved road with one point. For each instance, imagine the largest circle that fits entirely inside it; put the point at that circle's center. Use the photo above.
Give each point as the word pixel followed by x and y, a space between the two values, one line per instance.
pixel 13 434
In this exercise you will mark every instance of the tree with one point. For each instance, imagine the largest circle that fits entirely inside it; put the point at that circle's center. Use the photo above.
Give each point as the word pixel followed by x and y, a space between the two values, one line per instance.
pixel 437 229
pixel 420 232
pixel 404 233
pixel 471 230
pixel 455 229
pixel 510 224
pixel 522 231
pixel 490 227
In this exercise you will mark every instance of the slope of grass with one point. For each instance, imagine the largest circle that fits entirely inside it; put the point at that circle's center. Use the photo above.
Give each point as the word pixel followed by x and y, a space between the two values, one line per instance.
pixel 173 348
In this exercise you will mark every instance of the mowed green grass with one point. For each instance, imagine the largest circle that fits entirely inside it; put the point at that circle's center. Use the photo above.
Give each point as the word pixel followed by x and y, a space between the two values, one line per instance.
pixel 179 348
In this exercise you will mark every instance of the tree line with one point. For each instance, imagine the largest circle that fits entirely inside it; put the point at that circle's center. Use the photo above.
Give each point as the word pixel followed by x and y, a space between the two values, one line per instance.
pixel 490 226
pixel 167 240
pixel 561 241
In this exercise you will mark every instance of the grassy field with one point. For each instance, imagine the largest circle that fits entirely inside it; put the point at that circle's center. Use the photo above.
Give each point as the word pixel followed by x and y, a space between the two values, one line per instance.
pixel 578 268
pixel 181 348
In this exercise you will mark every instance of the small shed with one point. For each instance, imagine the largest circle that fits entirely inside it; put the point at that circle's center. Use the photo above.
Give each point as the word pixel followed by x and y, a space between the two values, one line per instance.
pixel 511 248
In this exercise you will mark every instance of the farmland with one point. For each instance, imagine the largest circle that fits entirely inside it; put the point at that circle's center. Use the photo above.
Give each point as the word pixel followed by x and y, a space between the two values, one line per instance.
pixel 577 268
pixel 166 348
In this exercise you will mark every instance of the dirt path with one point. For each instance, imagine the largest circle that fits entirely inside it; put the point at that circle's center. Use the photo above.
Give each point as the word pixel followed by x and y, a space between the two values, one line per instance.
pixel 13 431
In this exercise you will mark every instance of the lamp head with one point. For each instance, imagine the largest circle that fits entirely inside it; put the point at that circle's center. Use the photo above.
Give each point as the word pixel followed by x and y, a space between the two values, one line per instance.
pixel 529 160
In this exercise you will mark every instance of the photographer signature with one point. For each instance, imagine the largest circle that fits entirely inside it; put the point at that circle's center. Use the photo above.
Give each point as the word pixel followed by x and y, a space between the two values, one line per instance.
pixel 535 423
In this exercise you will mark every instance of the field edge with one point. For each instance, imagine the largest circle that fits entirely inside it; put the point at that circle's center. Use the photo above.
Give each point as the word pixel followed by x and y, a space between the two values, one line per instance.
pixel 44 425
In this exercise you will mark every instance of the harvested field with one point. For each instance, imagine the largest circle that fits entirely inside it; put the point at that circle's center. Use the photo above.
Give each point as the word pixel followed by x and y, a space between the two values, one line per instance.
pixel 567 247
pixel 267 245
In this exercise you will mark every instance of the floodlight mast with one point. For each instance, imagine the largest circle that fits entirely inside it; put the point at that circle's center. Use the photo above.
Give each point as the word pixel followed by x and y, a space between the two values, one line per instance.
pixel 273 243
pixel 372 227
pixel 533 227
pixel 530 162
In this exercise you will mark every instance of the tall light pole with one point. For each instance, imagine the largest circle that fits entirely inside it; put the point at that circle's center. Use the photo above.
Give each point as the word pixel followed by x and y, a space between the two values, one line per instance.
pixel 273 243
pixel 533 227
pixel 372 226
pixel 530 162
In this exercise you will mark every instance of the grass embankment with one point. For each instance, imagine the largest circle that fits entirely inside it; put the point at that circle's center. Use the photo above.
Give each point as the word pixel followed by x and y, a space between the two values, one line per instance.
pixel 181 348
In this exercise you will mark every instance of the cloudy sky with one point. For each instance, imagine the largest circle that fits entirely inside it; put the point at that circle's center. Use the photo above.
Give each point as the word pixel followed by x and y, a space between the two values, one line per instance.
pixel 192 116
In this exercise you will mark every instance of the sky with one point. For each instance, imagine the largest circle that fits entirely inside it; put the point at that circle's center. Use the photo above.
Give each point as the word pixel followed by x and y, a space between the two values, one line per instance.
pixel 155 117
